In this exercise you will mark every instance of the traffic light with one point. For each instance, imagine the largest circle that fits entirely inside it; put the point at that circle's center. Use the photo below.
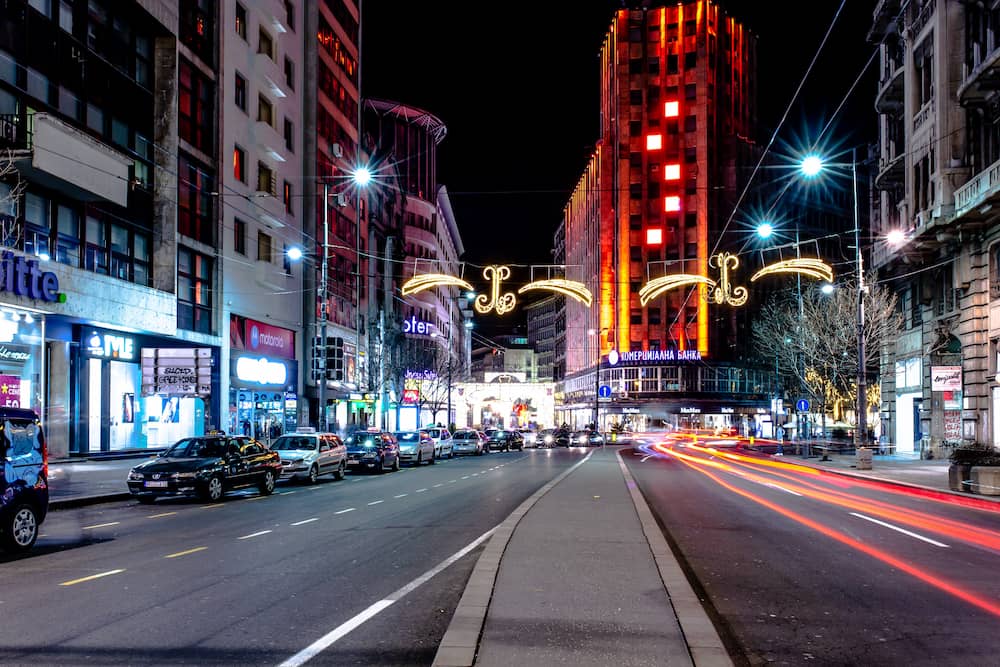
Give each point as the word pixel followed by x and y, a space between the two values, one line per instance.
pixel 317 359
pixel 335 359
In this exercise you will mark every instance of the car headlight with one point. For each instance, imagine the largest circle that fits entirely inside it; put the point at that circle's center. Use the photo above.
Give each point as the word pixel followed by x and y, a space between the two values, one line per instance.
pixel 548 438
pixel 135 476
pixel 184 475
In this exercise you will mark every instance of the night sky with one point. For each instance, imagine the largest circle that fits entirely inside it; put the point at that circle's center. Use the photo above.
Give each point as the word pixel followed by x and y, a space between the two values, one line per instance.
pixel 517 87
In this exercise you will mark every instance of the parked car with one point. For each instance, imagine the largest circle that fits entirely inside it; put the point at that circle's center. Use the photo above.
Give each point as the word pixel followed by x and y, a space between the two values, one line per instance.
pixel 415 447
pixel 308 454
pixel 206 466
pixel 24 475
pixel 586 438
pixel 504 440
pixel 553 437
pixel 443 445
pixel 530 436
pixel 373 450
pixel 468 441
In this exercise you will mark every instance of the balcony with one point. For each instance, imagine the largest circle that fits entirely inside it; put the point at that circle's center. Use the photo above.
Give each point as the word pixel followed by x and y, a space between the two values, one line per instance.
pixel 883 19
pixel 269 75
pixel 974 199
pixel 890 172
pixel 890 92
pixel 52 153
pixel 983 81
pixel 269 141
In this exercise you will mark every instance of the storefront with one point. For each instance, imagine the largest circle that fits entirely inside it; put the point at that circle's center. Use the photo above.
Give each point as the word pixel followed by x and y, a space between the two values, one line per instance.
pixel 21 372
pixel 263 401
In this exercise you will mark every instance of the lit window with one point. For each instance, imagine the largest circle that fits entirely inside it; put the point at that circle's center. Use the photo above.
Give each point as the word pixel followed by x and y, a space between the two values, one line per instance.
pixel 671 172
pixel 670 110
pixel 654 236
pixel 671 204
pixel 654 142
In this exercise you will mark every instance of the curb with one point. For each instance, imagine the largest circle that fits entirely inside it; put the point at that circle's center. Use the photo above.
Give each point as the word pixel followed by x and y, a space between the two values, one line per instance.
pixel 460 643
pixel 81 501
pixel 703 641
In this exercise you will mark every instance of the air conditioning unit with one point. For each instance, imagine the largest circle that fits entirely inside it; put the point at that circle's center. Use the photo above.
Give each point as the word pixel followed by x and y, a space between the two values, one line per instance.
pixel 340 199
pixel 336 150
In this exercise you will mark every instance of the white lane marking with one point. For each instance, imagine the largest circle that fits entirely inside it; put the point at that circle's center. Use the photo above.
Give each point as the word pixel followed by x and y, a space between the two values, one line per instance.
pixel 349 509
pixel 257 534
pixel 781 488
pixel 299 523
pixel 101 525
pixel 402 495
pixel 466 477
pixel 900 530
pixel 421 490
pixel 286 493
pixel 157 516
pixel 313 488
pixel 327 640
pixel 437 485
pixel 452 481
pixel 648 456
pixel 95 576
pixel 375 502
pixel 475 474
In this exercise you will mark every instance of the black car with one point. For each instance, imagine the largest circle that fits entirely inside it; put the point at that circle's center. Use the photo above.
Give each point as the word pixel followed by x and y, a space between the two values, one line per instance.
pixel 504 440
pixel 24 474
pixel 553 437
pixel 372 450
pixel 206 466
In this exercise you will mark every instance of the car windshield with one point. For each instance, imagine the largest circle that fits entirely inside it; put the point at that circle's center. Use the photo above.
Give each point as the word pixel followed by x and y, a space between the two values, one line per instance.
pixel 359 440
pixel 294 442
pixel 408 436
pixel 196 448
pixel 465 435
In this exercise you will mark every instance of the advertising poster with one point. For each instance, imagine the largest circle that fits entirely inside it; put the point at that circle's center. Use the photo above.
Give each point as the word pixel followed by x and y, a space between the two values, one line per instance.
pixel 10 391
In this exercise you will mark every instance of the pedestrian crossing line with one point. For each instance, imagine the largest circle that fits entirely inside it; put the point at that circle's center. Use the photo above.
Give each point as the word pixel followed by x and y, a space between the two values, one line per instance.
pixel 185 553
pixel 73 582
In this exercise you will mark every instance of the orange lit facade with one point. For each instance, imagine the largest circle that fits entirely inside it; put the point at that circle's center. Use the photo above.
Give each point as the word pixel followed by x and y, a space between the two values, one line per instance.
pixel 678 111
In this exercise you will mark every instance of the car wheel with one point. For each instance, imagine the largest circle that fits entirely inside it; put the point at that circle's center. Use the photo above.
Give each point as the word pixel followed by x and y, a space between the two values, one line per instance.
pixel 213 490
pixel 420 459
pixel 146 500
pixel 267 483
pixel 313 474
pixel 341 470
pixel 395 464
pixel 21 529
pixel 433 460
pixel 479 452
pixel 379 468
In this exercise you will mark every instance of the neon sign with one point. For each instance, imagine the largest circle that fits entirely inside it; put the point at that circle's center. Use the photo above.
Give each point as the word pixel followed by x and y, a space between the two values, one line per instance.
pixel 501 303
pixel 261 371
pixel 651 356
pixel 415 326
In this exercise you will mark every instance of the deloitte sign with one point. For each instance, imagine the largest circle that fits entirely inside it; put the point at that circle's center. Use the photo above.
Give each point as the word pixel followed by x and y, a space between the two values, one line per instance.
pixel 652 356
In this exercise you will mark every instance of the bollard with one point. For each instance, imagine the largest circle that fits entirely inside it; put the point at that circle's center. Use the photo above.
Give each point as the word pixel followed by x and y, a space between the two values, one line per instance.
pixel 863 458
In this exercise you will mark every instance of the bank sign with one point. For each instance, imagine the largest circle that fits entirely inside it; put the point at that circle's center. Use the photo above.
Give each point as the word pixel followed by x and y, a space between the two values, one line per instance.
pixel 652 356
pixel 22 277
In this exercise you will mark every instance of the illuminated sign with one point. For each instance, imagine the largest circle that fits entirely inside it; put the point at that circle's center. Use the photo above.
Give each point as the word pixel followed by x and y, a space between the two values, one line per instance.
pixel 690 411
pixel 652 356
pixel 502 303
pixel 22 277
pixel 110 346
pixel 261 371
pixel 177 371
pixel 415 326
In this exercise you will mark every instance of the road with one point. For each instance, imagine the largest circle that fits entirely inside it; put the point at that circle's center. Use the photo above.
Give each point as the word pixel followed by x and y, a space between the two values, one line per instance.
pixel 372 565
pixel 801 566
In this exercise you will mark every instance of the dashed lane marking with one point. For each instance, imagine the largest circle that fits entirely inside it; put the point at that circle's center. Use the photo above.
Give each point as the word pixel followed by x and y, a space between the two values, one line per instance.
pixel 375 502
pixel 299 523
pixel 349 509
pixel 101 525
pixel 73 582
pixel 162 514
pixel 402 495
pixel 185 553
pixel 420 490
pixel 257 534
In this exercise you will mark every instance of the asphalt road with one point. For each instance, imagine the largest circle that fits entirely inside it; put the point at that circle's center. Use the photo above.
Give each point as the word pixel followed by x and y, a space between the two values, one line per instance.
pixel 258 580
pixel 801 567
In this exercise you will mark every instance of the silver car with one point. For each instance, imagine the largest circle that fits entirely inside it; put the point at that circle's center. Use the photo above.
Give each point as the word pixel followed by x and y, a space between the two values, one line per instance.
pixel 307 455
pixel 468 441
pixel 442 441
pixel 415 447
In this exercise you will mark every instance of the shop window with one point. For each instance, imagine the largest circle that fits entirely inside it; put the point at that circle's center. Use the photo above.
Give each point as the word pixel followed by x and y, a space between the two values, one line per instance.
pixel 240 236
pixel 196 118
pixel 194 293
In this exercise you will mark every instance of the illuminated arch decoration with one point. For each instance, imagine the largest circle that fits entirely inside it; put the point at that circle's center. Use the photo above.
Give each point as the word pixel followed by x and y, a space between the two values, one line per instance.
pixel 807 266
pixel 424 281
pixel 724 292
pixel 571 288
pixel 501 303
pixel 658 286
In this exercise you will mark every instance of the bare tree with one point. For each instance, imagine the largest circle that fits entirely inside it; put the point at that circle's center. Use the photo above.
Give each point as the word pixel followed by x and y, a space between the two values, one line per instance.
pixel 816 346
pixel 10 230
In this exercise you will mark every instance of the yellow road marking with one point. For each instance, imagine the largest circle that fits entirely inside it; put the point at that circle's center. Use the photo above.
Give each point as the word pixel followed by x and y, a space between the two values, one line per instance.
pixel 101 525
pixel 91 577
pixel 210 507
pixel 185 553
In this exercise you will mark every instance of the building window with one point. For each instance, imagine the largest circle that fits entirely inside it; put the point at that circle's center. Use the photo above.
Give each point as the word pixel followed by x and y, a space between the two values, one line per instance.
pixel 286 261
pixel 635 97
pixel 194 291
pixel 671 109
pixel 290 73
pixel 690 60
pixel 196 118
pixel 196 26
pixel 654 236
pixel 690 91
pixel 671 204
pixel 265 179
pixel 241 21
pixel 286 194
pixel 265 44
pixel 290 14
pixel 265 111
pixel 654 142
pixel 671 172
pixel 239 164
pixel 263 247
pixel 635 316
pixel 240 93
pixel 240 236
pixel 653 314
pixel 289 136
pixel 195 201
pixel 690 124
pixel 96 258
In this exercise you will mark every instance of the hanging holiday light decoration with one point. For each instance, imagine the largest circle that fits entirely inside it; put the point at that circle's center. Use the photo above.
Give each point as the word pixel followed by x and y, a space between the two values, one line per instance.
pixel 807 266
pixel 658 286
pixel 571 288
pixel 501 303
pixel 723 291
pixel 424 281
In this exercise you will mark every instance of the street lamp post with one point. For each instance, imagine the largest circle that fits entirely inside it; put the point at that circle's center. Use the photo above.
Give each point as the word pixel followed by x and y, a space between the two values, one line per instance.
pixel 323 304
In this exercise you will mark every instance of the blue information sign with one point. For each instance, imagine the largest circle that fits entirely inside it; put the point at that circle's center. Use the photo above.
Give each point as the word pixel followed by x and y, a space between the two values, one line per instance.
pixel 604 391
pixel 802 405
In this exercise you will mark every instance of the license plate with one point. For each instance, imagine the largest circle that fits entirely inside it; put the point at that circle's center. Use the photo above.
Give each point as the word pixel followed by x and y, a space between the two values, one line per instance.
pixel 158 484
pixel 353 463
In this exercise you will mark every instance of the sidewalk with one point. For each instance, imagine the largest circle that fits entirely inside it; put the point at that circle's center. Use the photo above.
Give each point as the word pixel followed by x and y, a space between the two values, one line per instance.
pixel 901 469
pixel 83 481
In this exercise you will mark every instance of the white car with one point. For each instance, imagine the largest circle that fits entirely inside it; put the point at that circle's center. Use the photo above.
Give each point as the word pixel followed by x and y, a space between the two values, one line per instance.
pixel 468 441
pixel 307 455
pixel 443 447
